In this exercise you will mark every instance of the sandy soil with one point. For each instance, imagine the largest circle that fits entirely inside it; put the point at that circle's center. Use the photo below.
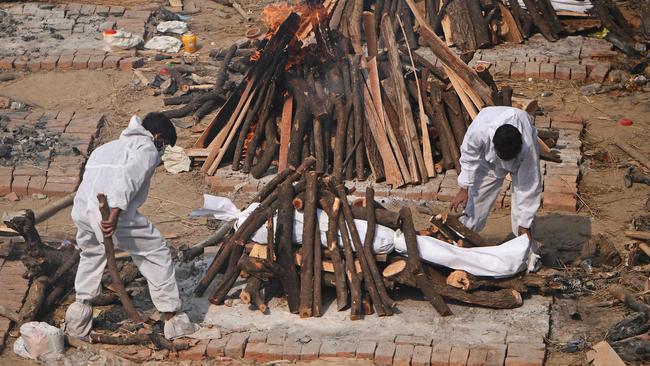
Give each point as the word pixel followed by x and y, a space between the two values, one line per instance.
pixel 607 206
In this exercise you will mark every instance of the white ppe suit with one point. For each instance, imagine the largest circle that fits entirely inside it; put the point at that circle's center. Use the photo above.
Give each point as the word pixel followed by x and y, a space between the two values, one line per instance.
pixel 482 171
pixel 122 170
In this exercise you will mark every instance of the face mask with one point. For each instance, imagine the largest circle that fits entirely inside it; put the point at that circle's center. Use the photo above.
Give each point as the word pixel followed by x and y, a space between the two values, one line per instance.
pixel 160 146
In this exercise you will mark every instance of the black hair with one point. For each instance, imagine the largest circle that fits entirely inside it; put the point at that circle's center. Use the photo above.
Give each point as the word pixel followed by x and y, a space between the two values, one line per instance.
pixel 507 142
pixel 158 123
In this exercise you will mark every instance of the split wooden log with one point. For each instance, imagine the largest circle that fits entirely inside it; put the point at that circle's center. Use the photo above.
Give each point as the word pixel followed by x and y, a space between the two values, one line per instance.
pixel 633 153
pixel 386 301
pixel 448 146
pixel 629 299
pixel 331 208
pixel 468 282
pixel 415 265
pixel 399 272
pixel 112 266
pixel 357 105
pixel 284 232
pixel 549 14
pixel 479 24
pixel 53 208
pixel 225 228
pixel 307 267
pixel 523 19
pixel 460 31
pixel 638 235
pixel 455 116
pixel 317 303
pixel 354 281
pixel 271 148
pixel 540 22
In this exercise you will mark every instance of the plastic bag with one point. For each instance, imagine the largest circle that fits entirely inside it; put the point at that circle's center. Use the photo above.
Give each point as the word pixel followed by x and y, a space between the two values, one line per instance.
pixel 123 40
pixel 165 44
pixel 173 26
pixel 41 340
pixel 175 160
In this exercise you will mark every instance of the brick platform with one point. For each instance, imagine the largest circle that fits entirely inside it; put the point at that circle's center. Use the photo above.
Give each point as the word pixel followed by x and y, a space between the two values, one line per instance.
pixel 67 36
pixel 59 172
pixel 13 288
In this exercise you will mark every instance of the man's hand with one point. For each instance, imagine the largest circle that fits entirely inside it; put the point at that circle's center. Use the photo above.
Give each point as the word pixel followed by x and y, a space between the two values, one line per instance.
pixel 523 230
pixel 460 201
pixel 108 226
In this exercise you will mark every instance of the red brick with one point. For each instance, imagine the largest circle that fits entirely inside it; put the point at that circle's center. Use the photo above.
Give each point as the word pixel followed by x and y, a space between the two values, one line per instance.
pixel 80 62
pixel 559 183
pixel 291 350
pixel 5 180
pixel 116 11
pixel 518 70
pixel 521 354
pixel 276 337
pixel 447 194
pixel 131 63
pixel 257 337
pixel 36 185
pixel 366 350
pixel 262 352
pixel 195 353
pixel 458 356
pixel 7 63
pixel 34 64
pixel 562 72
pixel 65 61
pixel 414 340
pixel 496 355
pixel 578 72
pixel 569 119
pixel 96 62
pixel 384 353
pixel 310 351
pixel 421 356
pixel 559 201
pixel 403 354
pixel 502 69
pixel 547 71
pixel 477 357
pixel 20 185
pixel 440 355
pixel 236 345
pixel 567 126
pixel 111 62
pixel 346 349
pixel 56 189
pixel 217 347
pixel 71 179
pixel 20 63
pixel 532 70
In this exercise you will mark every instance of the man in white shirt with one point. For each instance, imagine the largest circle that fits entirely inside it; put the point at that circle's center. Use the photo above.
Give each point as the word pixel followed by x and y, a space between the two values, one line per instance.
pixel 500 141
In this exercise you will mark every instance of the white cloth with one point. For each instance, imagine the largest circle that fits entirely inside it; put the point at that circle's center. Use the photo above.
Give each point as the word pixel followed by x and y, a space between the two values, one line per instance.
pixel 578 6
pixel 79 319
pixel 122 169
pixel 179 325
pixel 482 171
pixel 176 160
pixel 499 261
pixel 41 340
pixel 504 260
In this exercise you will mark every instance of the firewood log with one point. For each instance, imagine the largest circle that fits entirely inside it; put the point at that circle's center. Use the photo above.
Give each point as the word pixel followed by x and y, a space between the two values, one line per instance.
pixel 469 282
pixel 307 267
pixel 354 281
pixel 270 150
pixel 331 208
pixel 540 22
pixel 289 276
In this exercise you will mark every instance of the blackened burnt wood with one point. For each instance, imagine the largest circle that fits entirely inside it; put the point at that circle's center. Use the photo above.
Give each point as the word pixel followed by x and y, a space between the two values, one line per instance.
pixel 368 279
pixel 454 114
pixel 602 9
pixel 319 149
pixel 307 265
pixel 480 25
pixel 339 139
pixel 271 148
pixel 417 168
pixel 357 105
pixel 522 18
pixel 448 147
pixel 413 260
pixel 539 21
pixel 386 301
pixel 298 89
pixel 250 115
pixel 348 163
pixel 255 143
pixel 506 95
pixel 284 231
pixel 197 249
pixel 549 14
pixel 331 208
pixel 354 281
pixel 382 216
pixel 230 276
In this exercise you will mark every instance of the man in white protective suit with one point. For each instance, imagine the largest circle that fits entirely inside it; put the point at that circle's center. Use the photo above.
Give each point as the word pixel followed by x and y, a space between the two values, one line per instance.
pixel 499 141
pixel 122 170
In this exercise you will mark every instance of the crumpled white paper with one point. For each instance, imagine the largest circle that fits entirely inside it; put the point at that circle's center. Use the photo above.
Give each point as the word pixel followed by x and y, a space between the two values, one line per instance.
pixel 123 40
pixel 176 160
pixel 165 44
pixel 173 26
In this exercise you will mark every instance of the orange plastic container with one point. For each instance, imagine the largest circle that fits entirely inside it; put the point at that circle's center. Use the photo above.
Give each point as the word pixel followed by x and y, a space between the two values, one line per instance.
pixel 189 42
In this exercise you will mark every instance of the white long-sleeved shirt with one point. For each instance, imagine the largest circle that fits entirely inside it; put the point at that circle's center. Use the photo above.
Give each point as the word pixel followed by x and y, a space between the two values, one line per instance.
pixel 122 170
pixel 478 156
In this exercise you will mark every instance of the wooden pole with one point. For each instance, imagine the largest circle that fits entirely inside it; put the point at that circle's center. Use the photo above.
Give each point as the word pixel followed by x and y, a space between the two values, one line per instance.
pixel 332 211
pixel 307 266
pixel 284 232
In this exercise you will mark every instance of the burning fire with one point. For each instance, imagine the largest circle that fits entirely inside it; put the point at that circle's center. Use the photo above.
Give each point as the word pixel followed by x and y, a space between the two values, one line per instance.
pixel 310 15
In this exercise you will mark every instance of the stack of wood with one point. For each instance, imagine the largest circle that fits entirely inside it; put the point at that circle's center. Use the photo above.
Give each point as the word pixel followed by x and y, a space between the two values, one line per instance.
pixel 314 91
pixel 362 278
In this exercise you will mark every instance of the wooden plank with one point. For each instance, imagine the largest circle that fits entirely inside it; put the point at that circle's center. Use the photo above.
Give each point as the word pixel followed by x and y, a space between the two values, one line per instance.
pixel 285 132
pixel 461 89
pixel 196 152
pixel 447 57
pixel 176 3
pixel 513 34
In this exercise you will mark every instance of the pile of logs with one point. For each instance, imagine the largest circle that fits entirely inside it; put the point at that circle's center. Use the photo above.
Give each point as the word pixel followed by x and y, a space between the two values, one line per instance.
pixel 362 278
pixel 390 113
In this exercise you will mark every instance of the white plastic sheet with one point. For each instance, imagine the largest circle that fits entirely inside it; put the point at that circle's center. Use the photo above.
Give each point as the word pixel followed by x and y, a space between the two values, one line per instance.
pixel 504 260
pixel 165 44
pixel 41 340
pixel 578 6
pixel 173 26
pixel 176 160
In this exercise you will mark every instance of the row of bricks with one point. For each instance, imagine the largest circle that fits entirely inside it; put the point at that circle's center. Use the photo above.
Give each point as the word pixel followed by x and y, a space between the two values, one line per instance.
pixel 28 185
pixel 74 9
pixel 258 348
pixel 13 288
pixel 550 71
pixel 68 61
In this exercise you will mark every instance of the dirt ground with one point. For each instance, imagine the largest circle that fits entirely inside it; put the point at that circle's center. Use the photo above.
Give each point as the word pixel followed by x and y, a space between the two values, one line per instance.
pixel 606 205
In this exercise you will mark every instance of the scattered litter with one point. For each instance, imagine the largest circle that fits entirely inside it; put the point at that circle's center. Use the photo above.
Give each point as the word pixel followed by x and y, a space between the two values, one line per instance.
pixel 174 26
pixel 625 122
pixel 175 160
pixel 39 196
pixel 40 340
pixel 165 44
pixel 603 355
pixel 121 40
